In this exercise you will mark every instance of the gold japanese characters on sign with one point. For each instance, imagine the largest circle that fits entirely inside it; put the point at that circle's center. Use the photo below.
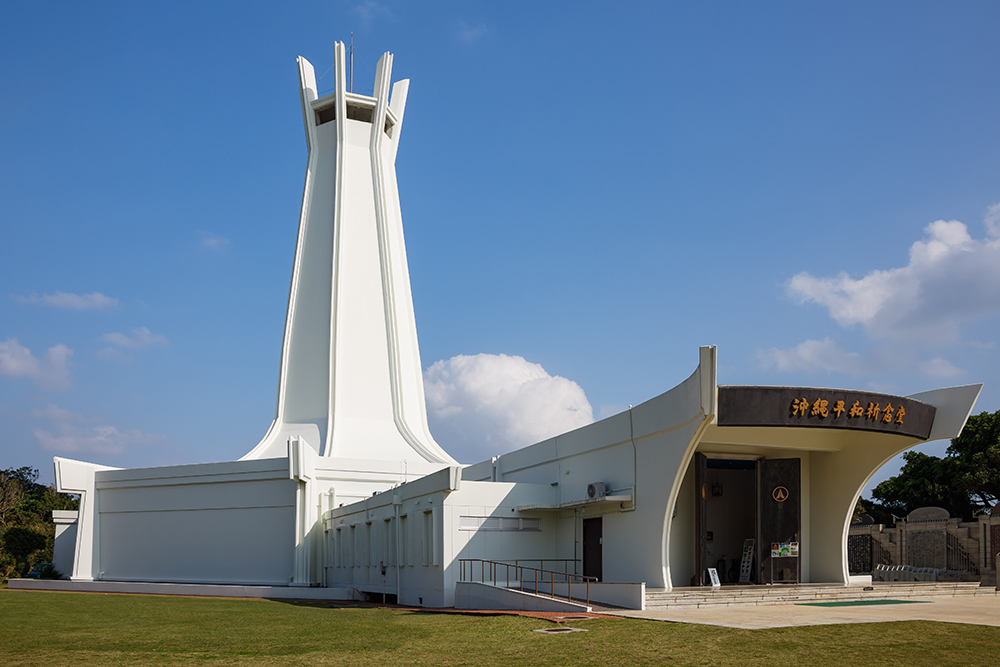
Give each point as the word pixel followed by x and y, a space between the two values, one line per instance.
pixel 820 407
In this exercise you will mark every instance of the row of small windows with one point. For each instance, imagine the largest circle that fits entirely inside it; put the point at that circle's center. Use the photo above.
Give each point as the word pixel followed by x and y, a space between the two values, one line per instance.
pixel 498 523
pixel 365 114
pixel 373 544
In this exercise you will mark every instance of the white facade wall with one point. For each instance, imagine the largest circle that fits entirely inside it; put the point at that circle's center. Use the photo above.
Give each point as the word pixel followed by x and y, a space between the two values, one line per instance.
pixel 643 452
pixel 416 531
pixel 64 544
pixel 209 523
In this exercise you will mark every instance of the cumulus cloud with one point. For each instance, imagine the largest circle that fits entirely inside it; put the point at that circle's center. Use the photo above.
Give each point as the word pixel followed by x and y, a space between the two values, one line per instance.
pixel 486 404
pixel 140 338
pixel 69 432
pixel 470 33
pixel 951 278
pixel 70 301
pixel 210 241
pixel 17 361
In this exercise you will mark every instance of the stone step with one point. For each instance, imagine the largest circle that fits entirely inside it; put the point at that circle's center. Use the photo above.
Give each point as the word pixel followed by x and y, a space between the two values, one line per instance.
pixel 766 595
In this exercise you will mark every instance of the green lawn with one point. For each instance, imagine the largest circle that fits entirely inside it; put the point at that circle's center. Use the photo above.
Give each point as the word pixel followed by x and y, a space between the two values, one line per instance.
pixel 43 628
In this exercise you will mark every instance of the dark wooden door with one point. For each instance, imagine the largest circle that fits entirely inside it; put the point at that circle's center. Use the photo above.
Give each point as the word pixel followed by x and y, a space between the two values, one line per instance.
pixel 780 517
pixel 700 517
pixel 592 548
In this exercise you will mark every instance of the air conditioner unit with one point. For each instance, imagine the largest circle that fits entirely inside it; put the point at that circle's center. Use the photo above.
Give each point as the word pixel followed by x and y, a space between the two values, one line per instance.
pixel 596 490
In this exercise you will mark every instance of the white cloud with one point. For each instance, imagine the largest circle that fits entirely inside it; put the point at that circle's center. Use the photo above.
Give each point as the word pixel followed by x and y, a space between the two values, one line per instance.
pixel 470 33
pixel 951 278
pixel 211 241
pixel 484 405
pixel 992 221
pixel 368 10
pixel 812 356
pixel 73 433
pixel 825 356
pixel 611 410
pixel 939 368
pixel 92 301
pixel 56 413
pixel 51 373
pixel 140 338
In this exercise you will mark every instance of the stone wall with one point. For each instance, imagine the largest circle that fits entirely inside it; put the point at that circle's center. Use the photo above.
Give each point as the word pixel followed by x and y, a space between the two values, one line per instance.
pixel 929 538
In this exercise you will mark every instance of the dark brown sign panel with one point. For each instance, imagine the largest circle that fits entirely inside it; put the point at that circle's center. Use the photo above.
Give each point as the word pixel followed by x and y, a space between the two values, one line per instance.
pixel 824 408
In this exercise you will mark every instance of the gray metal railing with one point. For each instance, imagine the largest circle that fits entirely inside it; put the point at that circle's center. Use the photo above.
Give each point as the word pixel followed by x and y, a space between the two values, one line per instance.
pixel 497 571
pixel 959 558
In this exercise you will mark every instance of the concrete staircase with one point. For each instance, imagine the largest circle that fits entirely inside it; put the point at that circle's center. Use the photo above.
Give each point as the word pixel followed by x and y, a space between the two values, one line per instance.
pixel 752 596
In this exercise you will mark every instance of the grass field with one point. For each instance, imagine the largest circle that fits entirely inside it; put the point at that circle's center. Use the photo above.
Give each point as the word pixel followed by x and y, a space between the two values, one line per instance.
pixel 44 628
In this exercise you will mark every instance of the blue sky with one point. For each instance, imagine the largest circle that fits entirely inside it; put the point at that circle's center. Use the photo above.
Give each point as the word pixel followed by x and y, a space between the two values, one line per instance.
pixel 597 188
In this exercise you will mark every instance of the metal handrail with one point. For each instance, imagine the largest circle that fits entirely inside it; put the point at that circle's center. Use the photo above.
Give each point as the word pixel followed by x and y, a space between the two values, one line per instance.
pixel 494 566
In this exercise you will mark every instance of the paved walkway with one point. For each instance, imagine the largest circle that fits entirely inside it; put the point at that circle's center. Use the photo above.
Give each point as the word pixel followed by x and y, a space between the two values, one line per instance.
pixel 974 610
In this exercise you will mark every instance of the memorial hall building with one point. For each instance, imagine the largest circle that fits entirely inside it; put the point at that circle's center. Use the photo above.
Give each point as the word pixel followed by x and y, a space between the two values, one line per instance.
pixel 348 493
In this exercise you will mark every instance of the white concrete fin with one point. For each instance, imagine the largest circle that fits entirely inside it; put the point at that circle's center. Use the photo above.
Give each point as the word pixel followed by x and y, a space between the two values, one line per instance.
pixel 81 478
pixel 397 106
pixel 954 405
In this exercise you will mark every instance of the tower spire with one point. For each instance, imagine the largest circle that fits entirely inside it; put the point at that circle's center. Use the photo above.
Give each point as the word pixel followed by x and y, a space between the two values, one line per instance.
pixel 351 384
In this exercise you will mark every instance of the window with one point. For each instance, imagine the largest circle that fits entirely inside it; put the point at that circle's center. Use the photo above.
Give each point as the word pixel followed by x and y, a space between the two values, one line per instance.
pixel 368 543
pixel 326 114
pixel 428 537
pixel 388 557
pixel 357 112
pixel 404 537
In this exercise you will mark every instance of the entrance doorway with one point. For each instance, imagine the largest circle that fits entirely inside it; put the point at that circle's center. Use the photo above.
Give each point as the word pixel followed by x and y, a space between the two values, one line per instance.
pixel 747 499
pixel 727 496
pixel 593 565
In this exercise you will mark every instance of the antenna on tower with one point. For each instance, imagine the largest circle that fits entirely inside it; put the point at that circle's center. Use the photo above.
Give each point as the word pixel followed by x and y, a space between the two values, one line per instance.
pixel 351 79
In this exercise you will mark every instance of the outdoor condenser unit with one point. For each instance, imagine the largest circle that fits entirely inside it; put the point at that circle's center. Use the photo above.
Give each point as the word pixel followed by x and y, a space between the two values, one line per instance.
pixel 596 490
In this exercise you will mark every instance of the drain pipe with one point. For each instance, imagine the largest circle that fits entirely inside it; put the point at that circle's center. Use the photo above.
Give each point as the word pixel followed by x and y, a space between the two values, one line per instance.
pixel 635 464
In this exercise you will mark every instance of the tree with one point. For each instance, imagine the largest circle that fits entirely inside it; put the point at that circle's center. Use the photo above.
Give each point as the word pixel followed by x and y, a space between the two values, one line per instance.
pixel 11 497
pixel 965 482
pixel 978 448
pixel 26 529
pixel 924 481
pixel 21 543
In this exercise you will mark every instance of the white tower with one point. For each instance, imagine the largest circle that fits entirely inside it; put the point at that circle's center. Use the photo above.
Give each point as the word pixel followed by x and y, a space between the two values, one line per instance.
pixel 350 384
